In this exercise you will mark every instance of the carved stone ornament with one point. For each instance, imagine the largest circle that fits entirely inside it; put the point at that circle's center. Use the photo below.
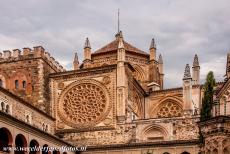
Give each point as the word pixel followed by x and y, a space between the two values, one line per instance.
pixel 61 85
pixel 106 80
pixel 84 103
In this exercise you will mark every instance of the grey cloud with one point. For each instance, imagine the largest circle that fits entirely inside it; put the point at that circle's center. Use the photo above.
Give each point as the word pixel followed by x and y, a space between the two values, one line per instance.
pixel 180 27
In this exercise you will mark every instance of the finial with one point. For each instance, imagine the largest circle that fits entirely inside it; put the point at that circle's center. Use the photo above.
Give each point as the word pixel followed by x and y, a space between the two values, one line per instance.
pixel 187 73
pixel 160 60
pixel 87 44
pixel 195 61
pixel 153 44
pixel 76 57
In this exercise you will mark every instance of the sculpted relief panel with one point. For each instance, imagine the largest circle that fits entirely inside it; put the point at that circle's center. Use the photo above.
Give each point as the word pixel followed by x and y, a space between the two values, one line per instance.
pixel 84 103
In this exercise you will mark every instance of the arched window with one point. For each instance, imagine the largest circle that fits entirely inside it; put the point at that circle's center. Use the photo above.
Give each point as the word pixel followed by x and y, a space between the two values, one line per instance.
pixel 16 84
pixel 21 144
pixel 1 84
pixel 34 147
pixel 24 84
pixel 5 139
pixel 166 153
pixel 3 106
pixel 7 108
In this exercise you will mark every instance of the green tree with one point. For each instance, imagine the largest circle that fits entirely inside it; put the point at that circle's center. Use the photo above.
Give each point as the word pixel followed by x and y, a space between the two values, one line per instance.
pixel 208 97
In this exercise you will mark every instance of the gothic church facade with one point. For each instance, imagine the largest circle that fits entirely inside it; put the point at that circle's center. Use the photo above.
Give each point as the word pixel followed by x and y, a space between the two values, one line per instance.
pixel 113 102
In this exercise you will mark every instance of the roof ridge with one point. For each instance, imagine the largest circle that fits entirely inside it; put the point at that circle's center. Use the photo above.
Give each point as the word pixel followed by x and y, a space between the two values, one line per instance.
pixel 114 46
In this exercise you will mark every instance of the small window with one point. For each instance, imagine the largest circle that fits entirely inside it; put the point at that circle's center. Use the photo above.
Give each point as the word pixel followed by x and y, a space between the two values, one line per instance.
pixel 16 84
pixel 3 106
pixel 1 84
pixel 27 118
pixel 24 84
pixel 7 108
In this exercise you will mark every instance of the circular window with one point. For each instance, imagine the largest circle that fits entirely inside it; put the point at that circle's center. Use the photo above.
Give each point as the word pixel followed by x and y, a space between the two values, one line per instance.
pixel 84 103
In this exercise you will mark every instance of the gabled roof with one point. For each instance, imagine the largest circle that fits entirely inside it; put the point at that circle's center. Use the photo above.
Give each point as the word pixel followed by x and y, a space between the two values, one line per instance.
pixel 113 46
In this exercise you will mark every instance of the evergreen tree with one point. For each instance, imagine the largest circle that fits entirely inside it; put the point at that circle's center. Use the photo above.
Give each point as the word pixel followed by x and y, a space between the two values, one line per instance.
pixel 208 97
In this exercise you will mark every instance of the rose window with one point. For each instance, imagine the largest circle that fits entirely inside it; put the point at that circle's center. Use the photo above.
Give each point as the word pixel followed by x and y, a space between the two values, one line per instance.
pixel 169 109
pixel 84 104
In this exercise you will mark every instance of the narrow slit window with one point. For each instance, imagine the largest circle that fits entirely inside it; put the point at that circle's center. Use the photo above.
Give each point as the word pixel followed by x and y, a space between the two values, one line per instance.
pixel 16 84
pixel 24 84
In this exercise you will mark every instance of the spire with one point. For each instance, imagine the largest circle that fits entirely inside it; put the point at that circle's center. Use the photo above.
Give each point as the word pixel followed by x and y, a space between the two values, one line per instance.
pixel 87 44
pixel 75 57
pixel 187 73
pixel 75 62
pixel 160 60
pixel 195 61
pixel 153 44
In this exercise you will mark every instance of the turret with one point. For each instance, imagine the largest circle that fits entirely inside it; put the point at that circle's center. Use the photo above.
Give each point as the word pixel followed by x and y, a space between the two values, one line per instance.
pixel 196 71
pixel 152 50
pixel 187 91
pixel 75 62
pixel 87 50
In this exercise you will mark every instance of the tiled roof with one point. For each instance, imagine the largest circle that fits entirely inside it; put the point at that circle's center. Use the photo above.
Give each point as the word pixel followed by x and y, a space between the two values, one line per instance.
pixel 113 46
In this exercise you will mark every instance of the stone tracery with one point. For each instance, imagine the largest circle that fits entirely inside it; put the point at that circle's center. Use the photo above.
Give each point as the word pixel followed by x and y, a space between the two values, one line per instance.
pixel 169 109
pixel 84 104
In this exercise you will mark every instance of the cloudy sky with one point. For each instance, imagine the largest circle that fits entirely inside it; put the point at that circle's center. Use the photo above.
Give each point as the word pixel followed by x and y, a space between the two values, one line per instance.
pixel 181 28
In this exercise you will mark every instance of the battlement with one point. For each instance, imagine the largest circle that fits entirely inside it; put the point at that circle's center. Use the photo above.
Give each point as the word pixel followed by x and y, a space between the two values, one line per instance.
pixel 28 53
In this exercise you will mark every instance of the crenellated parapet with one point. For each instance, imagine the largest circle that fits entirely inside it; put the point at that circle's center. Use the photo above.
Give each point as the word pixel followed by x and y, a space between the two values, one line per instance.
pixel 28 53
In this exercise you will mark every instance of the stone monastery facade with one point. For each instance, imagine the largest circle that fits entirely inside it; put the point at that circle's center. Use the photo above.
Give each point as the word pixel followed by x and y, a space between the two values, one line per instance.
pixel 113 102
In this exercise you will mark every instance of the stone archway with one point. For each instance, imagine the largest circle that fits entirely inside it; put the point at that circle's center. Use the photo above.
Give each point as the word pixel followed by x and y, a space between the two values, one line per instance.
pixel 34 147
pixel 154 133
pixel 20 144
pixel 6 139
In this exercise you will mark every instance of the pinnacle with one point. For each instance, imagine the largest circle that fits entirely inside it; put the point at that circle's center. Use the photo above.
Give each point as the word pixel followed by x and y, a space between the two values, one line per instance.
pixel 187 73
pixel 153 44
pixel 87 43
